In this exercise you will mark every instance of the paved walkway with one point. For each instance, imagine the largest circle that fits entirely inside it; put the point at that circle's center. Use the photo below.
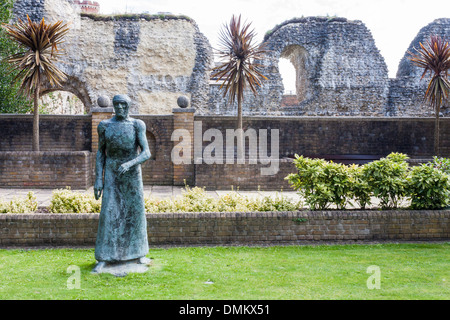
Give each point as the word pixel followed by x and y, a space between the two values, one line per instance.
pixel 44 196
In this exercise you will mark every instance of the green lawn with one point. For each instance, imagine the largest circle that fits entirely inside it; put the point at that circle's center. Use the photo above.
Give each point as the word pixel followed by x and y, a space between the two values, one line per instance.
pixel 407 271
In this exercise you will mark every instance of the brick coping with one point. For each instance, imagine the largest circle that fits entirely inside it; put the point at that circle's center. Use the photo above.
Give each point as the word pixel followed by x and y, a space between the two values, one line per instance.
pixel 254 214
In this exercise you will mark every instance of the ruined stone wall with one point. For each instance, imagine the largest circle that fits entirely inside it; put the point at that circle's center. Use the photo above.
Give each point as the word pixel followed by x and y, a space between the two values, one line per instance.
pixel 407 89
pixel 339 70
pixel 152 59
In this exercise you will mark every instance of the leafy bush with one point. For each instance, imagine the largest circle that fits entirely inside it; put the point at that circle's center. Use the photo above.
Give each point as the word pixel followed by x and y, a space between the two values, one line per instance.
pixel 191 200
pixel 20 205
pixel 234 202
pixel 441 163
pixel 277 203
pixel 68 201
pixel 428 187
pixel 321 183
pixel 360 189
pixel 387 179
pixel 197 200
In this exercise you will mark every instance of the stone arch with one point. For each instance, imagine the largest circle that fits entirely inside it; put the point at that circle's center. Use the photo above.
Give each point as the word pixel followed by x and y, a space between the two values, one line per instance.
pixel 339 69
pixel 74 86
pixel 298 56
pixel 62 102
pixel 146 56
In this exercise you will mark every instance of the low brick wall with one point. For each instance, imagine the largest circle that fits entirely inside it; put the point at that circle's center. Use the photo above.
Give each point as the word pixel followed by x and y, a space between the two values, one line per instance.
pixel 45 169
pixel 235 228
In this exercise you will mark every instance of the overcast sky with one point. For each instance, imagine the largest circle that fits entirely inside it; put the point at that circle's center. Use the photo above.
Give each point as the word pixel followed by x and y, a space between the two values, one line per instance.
pixel 393 23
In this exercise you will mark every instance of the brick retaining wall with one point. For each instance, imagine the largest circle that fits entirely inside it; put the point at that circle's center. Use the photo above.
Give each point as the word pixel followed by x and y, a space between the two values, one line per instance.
pixel 45 169
pixel 56 132
pixel 244 176
pixel 235 228
pixel 343 135
pixel 297 135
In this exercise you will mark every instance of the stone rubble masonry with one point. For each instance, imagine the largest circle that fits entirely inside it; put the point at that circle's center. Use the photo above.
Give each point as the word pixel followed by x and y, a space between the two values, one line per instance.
pixel 339 72
pixel 345 102
pixel 407 89
pixel 235 228
pixel 152 59
pixel 339 69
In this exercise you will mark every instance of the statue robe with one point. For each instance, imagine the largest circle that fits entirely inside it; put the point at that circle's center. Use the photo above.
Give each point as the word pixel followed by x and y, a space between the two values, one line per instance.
pixel 122 230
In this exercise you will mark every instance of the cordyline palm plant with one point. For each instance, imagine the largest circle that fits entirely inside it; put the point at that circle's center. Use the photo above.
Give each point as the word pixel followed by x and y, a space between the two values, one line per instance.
pixel 434 58
pixel 239 67
pixel 39 42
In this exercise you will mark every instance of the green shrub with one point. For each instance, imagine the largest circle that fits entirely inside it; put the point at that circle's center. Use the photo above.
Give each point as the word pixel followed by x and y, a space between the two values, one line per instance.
pixel 308 182
pixel 235 202
pixel 441 163
pixel 191 200
pixel 20 205
pixel 321 183
pixel 197 200
pixel 428 187
pixel 387 179
pixel 360 189
pixel 277 203
pixel 68 201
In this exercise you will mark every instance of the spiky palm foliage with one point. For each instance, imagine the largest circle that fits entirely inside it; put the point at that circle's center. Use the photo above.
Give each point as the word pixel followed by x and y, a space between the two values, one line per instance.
pixel 239 67
pixel 39 42
pixel 434 58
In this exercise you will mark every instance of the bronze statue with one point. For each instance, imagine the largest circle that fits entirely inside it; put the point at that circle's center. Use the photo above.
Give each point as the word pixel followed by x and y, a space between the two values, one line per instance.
pixel 122 229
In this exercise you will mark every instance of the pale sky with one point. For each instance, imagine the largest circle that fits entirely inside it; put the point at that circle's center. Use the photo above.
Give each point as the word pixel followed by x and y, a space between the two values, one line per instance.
pixel 393 23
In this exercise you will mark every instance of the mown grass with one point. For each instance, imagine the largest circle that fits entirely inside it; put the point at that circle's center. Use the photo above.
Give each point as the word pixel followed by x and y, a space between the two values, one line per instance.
pixel 407 272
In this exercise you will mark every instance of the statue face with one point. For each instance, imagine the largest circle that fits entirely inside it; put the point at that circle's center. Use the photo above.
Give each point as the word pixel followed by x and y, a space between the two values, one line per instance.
pixel 121 109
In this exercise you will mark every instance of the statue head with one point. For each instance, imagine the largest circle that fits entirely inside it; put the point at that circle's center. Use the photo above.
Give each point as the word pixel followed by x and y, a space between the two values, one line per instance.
pixel 121 103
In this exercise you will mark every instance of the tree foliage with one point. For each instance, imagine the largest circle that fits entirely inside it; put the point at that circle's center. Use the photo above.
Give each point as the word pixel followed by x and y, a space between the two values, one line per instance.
pixel 11 101
pixel 239 68
pixel 36 59
pixel 39 42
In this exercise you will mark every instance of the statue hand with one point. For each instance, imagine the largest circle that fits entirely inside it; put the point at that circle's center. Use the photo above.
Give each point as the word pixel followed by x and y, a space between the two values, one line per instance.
pixel 124 168
pixel 98 188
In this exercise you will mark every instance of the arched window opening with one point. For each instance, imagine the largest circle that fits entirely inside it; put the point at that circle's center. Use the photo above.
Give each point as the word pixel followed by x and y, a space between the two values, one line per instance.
pixel 61 102
pixel 297 56
pixel 287 71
